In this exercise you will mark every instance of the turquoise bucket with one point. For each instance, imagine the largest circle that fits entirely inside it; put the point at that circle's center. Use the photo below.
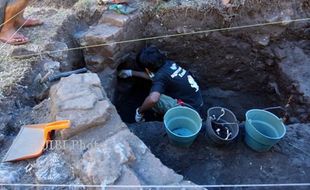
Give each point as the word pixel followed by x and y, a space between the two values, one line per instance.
pixel 263 129
pixel 182 125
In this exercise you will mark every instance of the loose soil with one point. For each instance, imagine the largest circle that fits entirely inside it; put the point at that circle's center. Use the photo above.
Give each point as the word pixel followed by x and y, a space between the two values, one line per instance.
pixel 203 163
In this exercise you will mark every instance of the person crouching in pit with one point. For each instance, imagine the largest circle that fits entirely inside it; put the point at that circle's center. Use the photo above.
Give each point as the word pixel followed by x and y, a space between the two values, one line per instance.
pixel 170 83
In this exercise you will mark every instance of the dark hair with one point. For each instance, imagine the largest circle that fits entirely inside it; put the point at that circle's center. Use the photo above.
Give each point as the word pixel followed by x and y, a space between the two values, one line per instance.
pixel 151 58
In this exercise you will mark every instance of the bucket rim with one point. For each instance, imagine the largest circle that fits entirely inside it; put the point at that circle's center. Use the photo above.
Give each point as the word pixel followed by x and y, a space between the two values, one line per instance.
pixel 226 109
pixel 235 118
pixel 182 107
pixel 261 110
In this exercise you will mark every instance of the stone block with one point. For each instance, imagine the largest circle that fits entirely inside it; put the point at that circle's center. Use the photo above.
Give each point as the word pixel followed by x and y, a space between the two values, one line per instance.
pixel 85 119
pixel 58 52
pixel 98 58
pixel 51 65
pixel 114 19
pixel 100 34
pixel 128 177
pixel 81 99
pixel 146 166
pixel 87 9
pixel 100 134
pixel 108 79
pixel 152 171
pixel 118 159
pixel 110 156
pixel 112 47
pixel 95 63
pixel 105 50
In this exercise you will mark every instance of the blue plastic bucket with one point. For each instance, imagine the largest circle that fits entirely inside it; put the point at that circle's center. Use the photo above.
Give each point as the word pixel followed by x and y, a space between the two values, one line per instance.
pixel 263 129
pixel 182 125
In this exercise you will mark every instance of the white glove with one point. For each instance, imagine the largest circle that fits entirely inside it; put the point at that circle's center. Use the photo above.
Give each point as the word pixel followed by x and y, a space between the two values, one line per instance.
pixel 125 73
pixel 139 117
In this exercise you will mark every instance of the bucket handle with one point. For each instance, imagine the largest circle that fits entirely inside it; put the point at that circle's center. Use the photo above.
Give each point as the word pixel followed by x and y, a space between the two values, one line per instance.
pixel 223 113
pixel 279 108
pixel 181 103
pixel 276 107
pixel 213 118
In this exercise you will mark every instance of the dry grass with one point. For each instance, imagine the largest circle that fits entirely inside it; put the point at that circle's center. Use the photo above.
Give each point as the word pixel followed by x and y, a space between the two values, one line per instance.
pixel 12 71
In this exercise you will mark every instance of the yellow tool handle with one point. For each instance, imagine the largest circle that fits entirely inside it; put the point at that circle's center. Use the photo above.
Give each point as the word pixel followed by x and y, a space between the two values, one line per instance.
pixel 57 125
pixel 62 124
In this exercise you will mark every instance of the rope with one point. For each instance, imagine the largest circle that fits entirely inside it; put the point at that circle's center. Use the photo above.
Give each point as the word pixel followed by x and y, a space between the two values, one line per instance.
pixel 163 36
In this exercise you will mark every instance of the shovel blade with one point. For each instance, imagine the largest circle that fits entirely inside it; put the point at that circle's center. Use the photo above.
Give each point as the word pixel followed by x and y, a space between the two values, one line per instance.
pixel 31 139
pixel 28 143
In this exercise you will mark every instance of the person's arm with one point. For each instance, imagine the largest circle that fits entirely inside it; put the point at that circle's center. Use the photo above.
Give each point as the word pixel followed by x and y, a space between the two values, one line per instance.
pixel 141 74
pixel 149 102
pixel 131 73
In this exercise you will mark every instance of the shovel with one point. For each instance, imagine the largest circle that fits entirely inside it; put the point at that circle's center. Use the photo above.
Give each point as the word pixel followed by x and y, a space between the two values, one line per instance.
pixel 31 139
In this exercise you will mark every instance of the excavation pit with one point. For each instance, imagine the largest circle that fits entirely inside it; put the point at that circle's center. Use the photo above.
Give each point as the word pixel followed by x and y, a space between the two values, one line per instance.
pixel 203 163
pixel 239 69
